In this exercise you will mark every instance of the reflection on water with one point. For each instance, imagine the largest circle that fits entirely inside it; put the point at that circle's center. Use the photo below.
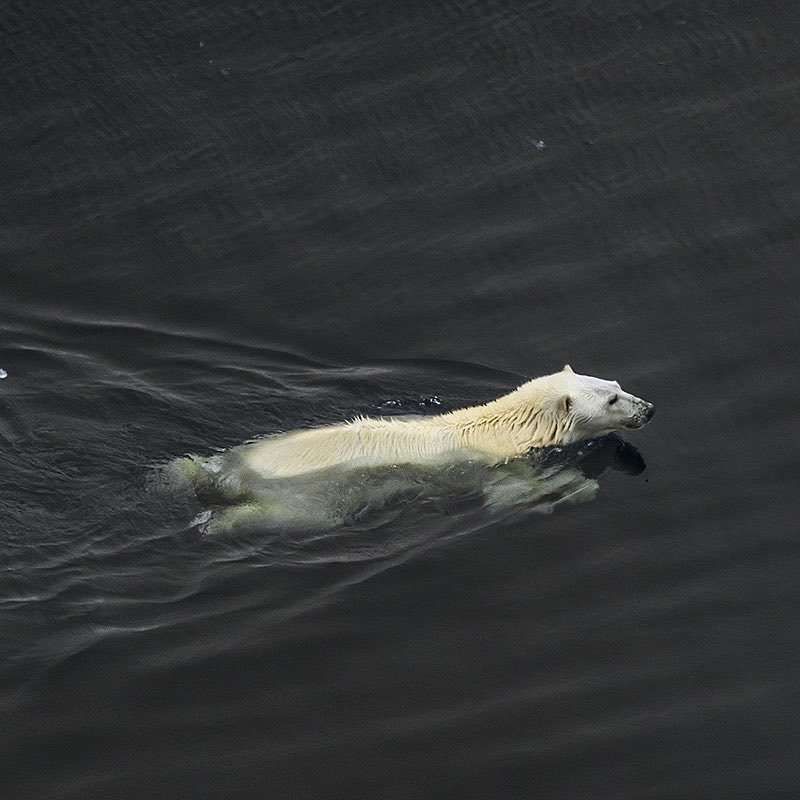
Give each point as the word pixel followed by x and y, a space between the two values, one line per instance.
pixel 234 497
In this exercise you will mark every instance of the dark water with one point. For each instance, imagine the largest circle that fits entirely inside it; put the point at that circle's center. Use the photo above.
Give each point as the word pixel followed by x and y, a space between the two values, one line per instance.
pixel 220 220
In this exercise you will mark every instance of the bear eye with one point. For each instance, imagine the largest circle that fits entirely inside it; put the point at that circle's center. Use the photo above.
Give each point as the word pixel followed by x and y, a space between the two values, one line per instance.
pixel 613 399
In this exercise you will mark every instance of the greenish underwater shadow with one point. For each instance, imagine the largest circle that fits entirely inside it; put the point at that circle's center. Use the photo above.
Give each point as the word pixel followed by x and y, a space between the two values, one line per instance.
pixel 234 498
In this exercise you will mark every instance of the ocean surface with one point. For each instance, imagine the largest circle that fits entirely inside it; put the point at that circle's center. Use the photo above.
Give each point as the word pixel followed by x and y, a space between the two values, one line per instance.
pixel 223 220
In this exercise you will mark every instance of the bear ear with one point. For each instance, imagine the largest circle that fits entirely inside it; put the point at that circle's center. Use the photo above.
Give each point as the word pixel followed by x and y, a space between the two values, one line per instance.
pixel 566 403
pixel 567 368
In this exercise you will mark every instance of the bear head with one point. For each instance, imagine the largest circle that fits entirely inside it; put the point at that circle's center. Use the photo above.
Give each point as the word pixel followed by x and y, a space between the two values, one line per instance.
pixel 594 407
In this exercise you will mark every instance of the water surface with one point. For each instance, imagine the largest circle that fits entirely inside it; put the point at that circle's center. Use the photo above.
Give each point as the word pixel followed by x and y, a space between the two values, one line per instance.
pixel 219 223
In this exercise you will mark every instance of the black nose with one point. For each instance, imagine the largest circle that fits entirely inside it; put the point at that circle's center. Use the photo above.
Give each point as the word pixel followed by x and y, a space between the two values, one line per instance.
pixel 650 411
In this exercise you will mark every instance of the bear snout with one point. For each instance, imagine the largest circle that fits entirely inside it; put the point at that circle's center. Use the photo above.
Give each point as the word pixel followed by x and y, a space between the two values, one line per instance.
pixel 643 414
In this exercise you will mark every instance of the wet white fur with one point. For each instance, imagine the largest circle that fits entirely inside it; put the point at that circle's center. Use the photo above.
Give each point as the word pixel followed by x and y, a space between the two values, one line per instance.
pixel 555 409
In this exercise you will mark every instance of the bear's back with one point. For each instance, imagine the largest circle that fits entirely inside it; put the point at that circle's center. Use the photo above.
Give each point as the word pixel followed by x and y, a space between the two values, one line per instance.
pixel 363 442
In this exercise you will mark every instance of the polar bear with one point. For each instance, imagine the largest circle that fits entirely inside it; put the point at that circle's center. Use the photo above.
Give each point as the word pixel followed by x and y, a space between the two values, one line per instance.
pixel 556 409
pixel 319 478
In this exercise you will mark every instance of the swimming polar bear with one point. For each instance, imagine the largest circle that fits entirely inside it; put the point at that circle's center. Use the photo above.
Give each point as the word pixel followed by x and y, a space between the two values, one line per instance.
pixel 555 409
pixel 323 477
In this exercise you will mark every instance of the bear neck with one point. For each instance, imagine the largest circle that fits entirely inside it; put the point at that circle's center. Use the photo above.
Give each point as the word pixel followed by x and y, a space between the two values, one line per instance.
pixel 509 426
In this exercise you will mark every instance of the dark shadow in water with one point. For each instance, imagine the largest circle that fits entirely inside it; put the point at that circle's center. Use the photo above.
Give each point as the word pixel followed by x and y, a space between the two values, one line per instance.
pixel 595 457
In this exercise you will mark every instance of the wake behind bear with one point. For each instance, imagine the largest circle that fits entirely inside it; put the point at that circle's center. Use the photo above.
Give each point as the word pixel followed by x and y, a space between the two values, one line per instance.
pixel 558 409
